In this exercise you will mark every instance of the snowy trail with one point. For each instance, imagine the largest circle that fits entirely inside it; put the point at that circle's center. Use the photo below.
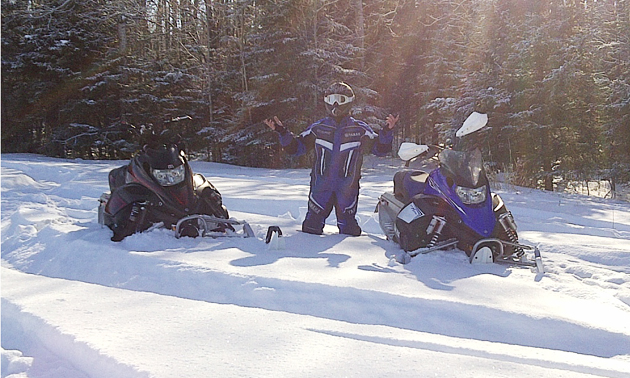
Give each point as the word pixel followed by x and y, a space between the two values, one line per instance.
pixel 157 306
pixel 199 323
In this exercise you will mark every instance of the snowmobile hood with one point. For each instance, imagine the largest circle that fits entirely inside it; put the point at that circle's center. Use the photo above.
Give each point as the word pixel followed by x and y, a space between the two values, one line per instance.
pixel 179 195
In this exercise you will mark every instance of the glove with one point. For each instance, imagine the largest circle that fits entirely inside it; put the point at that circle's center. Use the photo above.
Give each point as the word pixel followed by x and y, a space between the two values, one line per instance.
pixel 280 129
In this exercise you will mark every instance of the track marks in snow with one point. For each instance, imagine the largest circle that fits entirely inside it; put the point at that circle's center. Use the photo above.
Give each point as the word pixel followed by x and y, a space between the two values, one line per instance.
pixel 80 356
pixel 147 273
pixel 39 349
pixel 597 262
pixel 489 351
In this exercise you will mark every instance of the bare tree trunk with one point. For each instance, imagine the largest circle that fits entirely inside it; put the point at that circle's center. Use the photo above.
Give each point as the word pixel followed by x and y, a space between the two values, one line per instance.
pixel 360 30
pixel 122 35
pixel 317 6
pixel 242 45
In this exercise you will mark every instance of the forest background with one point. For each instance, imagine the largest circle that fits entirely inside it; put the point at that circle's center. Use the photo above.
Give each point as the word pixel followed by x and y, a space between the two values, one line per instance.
pixel 81 77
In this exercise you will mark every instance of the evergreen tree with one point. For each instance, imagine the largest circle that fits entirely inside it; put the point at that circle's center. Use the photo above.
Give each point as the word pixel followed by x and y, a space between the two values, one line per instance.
pixel 553 76
pixel 49 48
pixel 612 50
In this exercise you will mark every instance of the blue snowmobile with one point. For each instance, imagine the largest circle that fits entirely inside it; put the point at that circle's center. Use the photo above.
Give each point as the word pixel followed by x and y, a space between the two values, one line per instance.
pixel 451 206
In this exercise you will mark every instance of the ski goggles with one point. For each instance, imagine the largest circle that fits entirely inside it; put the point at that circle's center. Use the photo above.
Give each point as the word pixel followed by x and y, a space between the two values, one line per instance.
pixel 170 177
pixel 338 98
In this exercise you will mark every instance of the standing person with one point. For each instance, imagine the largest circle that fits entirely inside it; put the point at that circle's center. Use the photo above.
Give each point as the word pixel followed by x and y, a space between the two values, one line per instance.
pixel 339 142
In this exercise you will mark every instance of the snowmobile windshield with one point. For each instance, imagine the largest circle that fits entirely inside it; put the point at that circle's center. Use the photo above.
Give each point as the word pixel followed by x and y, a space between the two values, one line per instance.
pixel 466 167
pixel 163 157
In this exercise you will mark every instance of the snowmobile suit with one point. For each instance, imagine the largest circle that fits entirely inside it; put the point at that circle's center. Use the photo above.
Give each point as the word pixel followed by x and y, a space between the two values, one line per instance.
pixel 336 171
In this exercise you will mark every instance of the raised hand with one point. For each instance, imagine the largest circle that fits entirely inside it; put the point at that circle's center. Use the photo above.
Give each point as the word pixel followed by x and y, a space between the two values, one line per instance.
pixel 391 121
pixel 273 122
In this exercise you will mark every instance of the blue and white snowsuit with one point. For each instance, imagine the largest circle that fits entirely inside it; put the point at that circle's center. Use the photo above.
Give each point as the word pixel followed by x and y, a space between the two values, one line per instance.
pixel 339 149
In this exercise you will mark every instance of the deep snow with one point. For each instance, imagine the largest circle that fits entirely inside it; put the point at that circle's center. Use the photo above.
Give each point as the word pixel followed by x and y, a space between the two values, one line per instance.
pixel 75 304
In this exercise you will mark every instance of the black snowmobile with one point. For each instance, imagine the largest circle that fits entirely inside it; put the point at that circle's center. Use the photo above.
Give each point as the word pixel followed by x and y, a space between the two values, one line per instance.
pixel 158 187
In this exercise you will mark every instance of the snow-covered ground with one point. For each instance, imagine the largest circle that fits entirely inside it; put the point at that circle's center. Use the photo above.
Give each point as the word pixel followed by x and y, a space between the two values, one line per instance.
pixel 75 304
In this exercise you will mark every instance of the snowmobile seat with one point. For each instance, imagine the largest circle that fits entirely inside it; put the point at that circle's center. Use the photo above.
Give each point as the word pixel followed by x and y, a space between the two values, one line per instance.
pixel 408 183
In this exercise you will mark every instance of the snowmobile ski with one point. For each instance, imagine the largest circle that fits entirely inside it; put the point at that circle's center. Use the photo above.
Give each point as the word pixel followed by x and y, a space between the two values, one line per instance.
pixel 536 262
pixel 478 255
pixel 513 259
pixel 405 257
pixel 211 226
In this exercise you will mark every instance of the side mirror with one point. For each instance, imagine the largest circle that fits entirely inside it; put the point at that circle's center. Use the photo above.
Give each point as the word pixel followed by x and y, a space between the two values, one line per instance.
pixel 408 151
pixel 474 122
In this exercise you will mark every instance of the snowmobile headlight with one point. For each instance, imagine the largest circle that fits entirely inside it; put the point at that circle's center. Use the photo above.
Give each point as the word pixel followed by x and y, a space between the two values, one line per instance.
pixel 471 196
pixel 169 177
